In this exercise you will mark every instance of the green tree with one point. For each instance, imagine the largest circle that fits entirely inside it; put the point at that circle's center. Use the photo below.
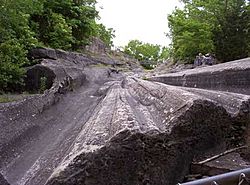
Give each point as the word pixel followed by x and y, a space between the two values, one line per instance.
pixel 105 34
pixel 230 37
pixel 142 51
pixel 24 24
pixel 12 58
pixel 246 17
pixel 60 35
pixel 14 22
pixel 189 36
pixel 164 54
pixel 148 54
pixel 15 39
pixel 210 26
pixel 73 19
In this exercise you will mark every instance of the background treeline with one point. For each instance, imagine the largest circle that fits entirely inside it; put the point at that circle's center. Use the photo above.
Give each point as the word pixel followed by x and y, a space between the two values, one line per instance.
pixel 221 27
pixel 64 24
pixel 148 54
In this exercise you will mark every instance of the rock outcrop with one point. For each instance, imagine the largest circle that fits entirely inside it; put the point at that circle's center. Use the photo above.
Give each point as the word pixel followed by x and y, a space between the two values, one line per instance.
pixel 153 130
pixel 231 76
pixel 64 72
pixel 3 181
pixel 34 77
pixel 223 80
pixel 112 128
pixel 97 46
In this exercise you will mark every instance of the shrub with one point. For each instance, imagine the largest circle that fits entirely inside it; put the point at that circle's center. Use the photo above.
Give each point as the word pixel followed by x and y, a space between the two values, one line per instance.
pixel 12 58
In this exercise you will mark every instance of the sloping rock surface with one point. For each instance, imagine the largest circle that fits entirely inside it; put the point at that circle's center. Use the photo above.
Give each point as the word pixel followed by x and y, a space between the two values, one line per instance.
pixel 146 133
pixel 231 76
pixel 106 127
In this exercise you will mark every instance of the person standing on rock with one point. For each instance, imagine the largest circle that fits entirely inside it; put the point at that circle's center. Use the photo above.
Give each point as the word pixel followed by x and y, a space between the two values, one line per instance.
pixel 199 59
pixel 208 60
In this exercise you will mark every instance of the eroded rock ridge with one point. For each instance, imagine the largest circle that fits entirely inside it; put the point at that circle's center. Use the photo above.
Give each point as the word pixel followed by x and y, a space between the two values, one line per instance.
pixel 98 125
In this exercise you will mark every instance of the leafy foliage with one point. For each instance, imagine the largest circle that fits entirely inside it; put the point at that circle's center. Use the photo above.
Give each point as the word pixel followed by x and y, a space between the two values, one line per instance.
pixel 12 58
pixel 213 26
pixel 230 38
pixel 148 54
pixel 106 35
pixel 60 35
pixel 64 24
pixel 15 39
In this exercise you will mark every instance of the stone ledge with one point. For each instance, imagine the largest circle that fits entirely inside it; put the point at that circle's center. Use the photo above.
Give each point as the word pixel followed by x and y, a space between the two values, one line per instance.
pixel 231 76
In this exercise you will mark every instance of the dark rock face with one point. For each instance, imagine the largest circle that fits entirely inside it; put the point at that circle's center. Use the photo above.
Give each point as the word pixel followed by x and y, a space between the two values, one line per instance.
pixel 237 105
pixel 3 181
pixel 55 54
pixel 35 75
pixel 71 58
pixel 231 76
pixel 96 46
pixel 42 53
pixel 138 159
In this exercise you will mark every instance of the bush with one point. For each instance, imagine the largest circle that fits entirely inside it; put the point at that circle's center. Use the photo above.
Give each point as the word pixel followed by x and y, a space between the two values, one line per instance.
pixel 60 35
pixel 147 65
pixel 12 58
pixel 25 24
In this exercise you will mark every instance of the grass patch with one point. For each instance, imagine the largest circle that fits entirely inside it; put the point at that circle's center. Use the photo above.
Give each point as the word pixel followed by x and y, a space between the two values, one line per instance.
pixel 6 98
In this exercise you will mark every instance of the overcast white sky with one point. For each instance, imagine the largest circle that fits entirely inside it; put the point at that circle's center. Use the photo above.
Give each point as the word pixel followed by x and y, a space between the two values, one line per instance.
pixel 145 20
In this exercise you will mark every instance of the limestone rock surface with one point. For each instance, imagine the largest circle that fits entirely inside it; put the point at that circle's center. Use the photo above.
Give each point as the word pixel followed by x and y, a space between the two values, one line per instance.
pixel 231 76
pixel 96 126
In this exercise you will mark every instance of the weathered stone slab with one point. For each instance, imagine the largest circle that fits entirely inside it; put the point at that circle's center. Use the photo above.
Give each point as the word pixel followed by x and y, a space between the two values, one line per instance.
pixel 237 105
pixel 113 130
pixel 42 53
pixel 140 133
pixel 231 76
pixel 27 121
pixel 62 75
pixel 72 57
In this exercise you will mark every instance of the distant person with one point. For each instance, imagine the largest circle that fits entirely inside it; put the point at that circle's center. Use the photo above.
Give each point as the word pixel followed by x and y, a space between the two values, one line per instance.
pixel 199 59
pixel 208 60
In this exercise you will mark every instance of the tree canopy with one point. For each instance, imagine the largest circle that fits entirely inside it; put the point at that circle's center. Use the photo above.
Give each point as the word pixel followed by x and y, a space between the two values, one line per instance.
pixel 148 54
pixel 220 27
pixel 64 24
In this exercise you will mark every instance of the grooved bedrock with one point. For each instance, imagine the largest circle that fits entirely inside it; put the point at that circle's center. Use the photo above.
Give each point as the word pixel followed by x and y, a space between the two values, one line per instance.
pixel 97 126
pixel 231 76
